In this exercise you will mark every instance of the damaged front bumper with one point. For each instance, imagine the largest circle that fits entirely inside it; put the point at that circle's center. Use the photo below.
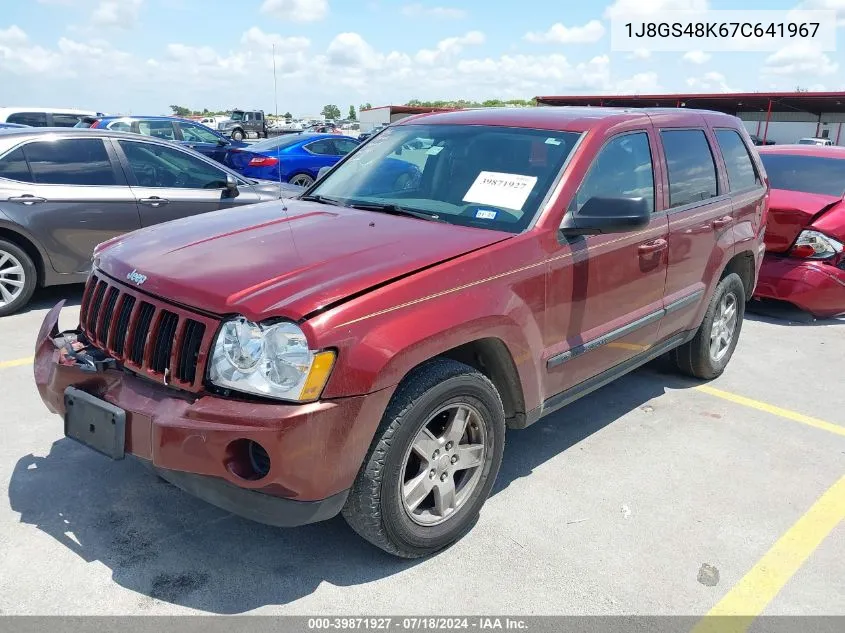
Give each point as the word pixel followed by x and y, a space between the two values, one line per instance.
pixel 275 463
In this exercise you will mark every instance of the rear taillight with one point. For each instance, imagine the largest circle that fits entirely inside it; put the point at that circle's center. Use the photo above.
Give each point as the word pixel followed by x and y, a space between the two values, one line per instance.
pixel 263 161
pixel 94 123
pixel 815 245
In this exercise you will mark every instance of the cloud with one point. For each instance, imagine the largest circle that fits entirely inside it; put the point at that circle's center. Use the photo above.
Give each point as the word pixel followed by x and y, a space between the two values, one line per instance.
pixel 449 48
pixel 709 82
pixel 418 10
pixel 799 60
pixel 641 83
pixel 592 31
pixel 651 7
pixel 697 57
pixel 640 53
pixel 117 13
pixel 832 5
pixel 296 10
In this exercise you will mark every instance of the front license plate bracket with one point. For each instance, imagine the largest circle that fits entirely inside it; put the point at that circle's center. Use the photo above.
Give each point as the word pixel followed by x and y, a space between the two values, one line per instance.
pixel 95 423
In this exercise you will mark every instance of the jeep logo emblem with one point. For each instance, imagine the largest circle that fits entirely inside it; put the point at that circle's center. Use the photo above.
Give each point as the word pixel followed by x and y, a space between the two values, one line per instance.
pixel 136 277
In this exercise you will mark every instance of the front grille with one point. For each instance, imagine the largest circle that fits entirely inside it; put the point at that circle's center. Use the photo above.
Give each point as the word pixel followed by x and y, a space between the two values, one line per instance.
pixel 152 338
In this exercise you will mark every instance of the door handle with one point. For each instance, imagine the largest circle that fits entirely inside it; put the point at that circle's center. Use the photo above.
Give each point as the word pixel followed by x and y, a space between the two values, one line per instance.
pixel 723 222
pixel 27 199
pixel 154 201
pixel 655 246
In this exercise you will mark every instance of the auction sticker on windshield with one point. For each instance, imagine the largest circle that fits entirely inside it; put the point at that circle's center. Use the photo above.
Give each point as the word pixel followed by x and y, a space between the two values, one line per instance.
pixel 509 191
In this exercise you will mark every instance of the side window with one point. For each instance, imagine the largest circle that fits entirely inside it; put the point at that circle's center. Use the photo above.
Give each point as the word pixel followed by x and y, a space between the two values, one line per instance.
pixel 259 116
pixel 159 166
pixel 692 171
pixel 13 166
pixel 196 134
pixel 741 172
pixel 35 119
pixel 75 161
pixel 344 146
pixel 65 120
pixel 622 169
pixel 157 129
pixel 324 147
pixel 120 126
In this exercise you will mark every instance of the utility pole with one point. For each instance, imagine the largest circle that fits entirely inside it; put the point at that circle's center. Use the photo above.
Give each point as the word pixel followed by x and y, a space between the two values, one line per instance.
pixel 275 89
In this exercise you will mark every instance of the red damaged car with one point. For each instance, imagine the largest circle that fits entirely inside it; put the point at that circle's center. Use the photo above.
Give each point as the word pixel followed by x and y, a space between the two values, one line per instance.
pixel 362 349
pixel 804 263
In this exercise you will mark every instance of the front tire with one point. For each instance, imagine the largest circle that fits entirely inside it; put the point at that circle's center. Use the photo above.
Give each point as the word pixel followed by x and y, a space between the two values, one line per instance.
pixel 237 135
pixel 432 463
pixel 18 278
pixel 709 352
pixel 301 180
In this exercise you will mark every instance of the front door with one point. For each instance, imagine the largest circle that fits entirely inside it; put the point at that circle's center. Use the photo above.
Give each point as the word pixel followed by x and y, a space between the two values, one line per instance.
pixel 170 183
pixel 605 292
pixel 69 194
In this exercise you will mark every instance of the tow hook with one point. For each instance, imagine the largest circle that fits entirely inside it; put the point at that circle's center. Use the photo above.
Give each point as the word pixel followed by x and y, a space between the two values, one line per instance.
pixel 75 350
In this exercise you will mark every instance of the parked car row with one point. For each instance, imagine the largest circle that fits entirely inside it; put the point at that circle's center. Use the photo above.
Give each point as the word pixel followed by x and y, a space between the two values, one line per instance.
pixel 63 191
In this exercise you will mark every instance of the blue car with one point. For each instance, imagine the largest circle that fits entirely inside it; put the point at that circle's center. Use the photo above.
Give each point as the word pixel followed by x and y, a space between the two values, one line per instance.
pixel 293 158
pixel 183 131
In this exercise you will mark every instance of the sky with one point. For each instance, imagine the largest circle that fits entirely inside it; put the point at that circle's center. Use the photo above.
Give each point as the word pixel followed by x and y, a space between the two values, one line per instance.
pixel 141 56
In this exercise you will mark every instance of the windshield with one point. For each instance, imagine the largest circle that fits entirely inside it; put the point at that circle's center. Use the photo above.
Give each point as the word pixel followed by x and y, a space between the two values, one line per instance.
pixel 237 115
pixel 472 175
pixel 813 174
pixel 275 142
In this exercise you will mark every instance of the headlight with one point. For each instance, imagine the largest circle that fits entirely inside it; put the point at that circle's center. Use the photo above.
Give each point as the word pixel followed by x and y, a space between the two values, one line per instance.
pixel 815 245
pixel 270 359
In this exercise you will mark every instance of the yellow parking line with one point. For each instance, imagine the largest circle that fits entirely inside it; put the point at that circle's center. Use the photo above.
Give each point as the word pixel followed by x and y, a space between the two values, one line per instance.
pixel 15 363
pixel 735 612
pixel 769 408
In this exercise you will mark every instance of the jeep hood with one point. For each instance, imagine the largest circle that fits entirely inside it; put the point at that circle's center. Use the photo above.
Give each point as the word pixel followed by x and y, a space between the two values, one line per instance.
pixel 790 212
pixel 262 261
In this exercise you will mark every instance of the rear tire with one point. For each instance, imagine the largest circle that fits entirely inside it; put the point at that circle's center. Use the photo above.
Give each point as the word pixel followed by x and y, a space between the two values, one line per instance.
pixel 302 180
pixel 432 463
pixel 18 278
pixel 709 352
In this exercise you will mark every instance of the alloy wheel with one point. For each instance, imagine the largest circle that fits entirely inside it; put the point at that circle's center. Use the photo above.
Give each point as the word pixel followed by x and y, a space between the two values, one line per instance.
pixel 443 466
pixel 301 180
pixel 12 278
pixel 724 327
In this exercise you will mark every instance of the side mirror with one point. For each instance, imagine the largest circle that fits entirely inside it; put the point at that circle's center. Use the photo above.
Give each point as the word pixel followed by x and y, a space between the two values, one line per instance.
pixel 322 172
pixel 222 143
pixel 231 190
pixel 607 215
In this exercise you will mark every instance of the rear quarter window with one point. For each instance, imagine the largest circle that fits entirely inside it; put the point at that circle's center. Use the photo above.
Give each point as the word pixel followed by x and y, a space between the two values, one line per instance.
pixel 740 167
pixel 14 166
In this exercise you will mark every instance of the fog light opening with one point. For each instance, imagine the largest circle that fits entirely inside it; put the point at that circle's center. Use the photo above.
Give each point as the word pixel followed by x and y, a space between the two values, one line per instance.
pixel 247 460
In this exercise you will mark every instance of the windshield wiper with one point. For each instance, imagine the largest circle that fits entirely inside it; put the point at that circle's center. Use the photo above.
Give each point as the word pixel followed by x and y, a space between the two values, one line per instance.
pixel 323 200
pixel 394 209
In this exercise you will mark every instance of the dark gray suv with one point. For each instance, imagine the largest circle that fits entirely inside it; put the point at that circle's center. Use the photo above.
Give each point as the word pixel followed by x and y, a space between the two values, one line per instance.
pixel 63 191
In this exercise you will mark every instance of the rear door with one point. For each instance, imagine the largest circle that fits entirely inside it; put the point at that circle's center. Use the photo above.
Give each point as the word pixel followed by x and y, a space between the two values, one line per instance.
pixel 745 185
pixel 605 292
pixel 701 221
pixel 170 183
pixel 321 153
pixel 71 194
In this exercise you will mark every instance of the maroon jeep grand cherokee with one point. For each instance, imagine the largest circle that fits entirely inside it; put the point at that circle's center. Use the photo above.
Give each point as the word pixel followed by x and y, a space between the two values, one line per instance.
pixel 362 349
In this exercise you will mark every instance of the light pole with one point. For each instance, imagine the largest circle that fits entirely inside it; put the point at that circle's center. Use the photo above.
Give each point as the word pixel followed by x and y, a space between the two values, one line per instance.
pixel 275 89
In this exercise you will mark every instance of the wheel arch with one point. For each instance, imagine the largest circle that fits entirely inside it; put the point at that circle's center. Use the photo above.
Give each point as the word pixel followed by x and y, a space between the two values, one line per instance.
pixel 29 247
pixel 743 264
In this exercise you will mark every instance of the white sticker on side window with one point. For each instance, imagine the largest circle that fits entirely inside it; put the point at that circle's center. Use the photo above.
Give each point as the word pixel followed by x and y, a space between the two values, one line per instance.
pixel 509 191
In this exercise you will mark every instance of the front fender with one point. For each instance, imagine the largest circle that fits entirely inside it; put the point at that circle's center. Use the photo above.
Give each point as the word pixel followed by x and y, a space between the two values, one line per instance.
pixel 377 350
